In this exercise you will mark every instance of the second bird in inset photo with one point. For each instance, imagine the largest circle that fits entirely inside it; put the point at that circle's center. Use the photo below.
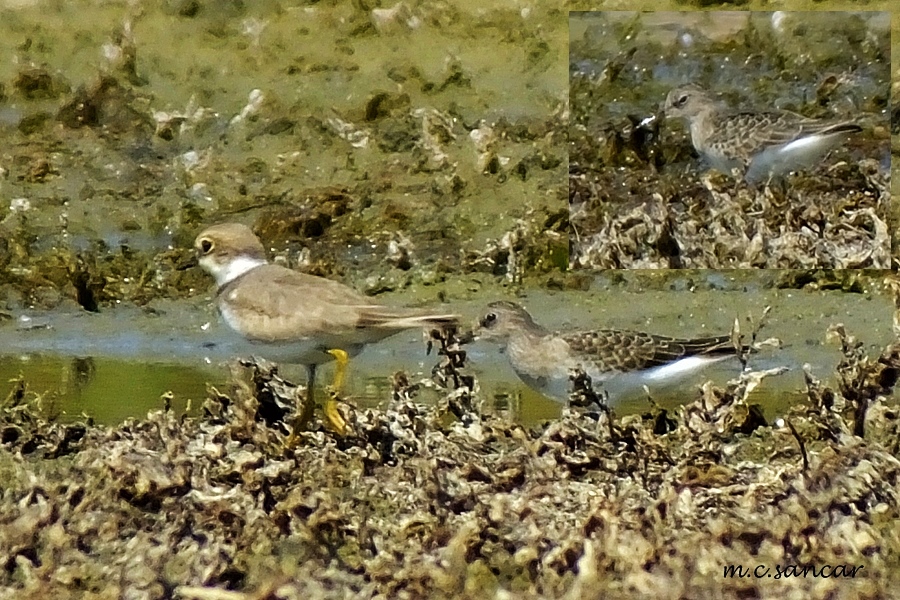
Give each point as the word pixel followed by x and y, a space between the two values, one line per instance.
pixel 730 140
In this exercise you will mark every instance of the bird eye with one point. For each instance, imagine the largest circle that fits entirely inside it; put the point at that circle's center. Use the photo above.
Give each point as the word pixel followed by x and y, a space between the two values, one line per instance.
pixel 488 319
pixel 206 246
pixel 682 99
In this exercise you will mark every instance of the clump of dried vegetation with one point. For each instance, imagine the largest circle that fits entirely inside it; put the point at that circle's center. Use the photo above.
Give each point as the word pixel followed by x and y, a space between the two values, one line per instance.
pixel 443 501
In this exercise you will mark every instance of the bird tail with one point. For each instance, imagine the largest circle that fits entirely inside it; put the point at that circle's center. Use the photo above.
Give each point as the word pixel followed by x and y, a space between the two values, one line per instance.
pixel 387 319
pixel 721 345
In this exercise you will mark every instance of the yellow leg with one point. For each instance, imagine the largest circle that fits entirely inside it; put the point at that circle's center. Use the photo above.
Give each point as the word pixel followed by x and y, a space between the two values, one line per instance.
pixel 341 359
pixel 333 417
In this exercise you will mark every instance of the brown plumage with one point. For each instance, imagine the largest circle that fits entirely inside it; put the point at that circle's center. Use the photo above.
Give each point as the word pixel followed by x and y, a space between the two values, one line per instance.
pixel 277 305
pixel 628 359
pixel 758 144
pixel 271 303
pixel 623 350
pixel 289 316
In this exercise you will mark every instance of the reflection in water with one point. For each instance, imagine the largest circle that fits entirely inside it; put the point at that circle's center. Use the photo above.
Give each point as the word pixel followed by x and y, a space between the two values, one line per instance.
pixel 107 390
pixel 84 370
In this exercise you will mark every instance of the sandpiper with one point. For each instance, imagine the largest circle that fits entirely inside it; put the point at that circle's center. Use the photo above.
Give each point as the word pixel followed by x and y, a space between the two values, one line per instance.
pixel 294 317
pixel 621 361
pixel 761 145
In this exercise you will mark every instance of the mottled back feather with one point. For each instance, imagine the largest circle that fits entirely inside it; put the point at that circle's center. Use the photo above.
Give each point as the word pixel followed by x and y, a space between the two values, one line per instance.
pixel 742 135
pixel 617 350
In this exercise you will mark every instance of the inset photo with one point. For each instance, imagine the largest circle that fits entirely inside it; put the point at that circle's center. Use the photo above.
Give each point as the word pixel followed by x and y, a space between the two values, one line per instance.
pixel 729 140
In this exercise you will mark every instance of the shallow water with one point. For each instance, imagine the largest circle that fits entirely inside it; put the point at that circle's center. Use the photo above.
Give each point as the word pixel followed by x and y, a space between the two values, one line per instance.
pixel 673 48
pixel 90 363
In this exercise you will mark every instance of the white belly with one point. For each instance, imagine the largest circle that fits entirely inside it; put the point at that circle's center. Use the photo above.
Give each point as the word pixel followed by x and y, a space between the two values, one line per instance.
pixel 302 350
pixel 620 386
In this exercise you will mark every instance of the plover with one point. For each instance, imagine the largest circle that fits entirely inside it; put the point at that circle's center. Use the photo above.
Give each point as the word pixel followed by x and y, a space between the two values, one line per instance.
pixel 760 145
pixel 621 361
pixel 294 317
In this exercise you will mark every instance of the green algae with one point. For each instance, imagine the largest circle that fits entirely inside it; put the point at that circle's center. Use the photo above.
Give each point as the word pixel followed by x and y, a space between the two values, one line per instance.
pixel 190 143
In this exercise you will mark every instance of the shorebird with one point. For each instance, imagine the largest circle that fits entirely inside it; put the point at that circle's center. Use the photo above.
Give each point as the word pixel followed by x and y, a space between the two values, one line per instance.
pixel 760 145
pixel 622 361
pixel 294 317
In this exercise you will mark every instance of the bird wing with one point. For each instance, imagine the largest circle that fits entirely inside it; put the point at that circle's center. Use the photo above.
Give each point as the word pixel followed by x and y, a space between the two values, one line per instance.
pixel 278 304
pixel 624 351
pixel 749 133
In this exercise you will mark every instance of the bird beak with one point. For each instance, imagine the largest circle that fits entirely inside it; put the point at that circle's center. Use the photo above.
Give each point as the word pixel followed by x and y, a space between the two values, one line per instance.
pixel 649 122
pixel 187 263
pixel 466 337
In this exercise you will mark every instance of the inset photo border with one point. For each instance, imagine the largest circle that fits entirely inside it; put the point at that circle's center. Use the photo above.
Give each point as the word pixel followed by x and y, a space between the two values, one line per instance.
pixel 729 140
